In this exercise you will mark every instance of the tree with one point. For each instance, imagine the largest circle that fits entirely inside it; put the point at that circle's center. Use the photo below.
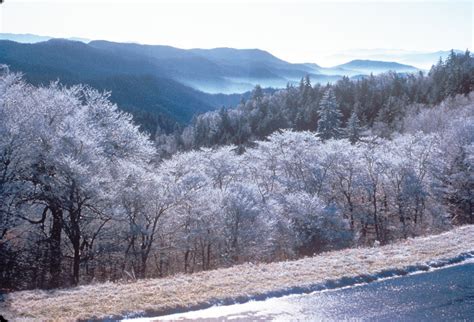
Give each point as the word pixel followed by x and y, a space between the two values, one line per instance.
pixel 257 93
pixel 85 195
pixel 76 141
pixel 329 117
pixel 453 170
pixel 353 130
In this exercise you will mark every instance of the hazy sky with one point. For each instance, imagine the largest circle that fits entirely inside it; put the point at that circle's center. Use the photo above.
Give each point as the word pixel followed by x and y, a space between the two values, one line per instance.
pixel 298 31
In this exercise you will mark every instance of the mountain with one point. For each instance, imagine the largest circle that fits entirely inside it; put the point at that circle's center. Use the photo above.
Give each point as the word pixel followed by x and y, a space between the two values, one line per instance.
pixel 226 70
pixel 218 70
pixel 230 70
pixel 137 85
pixel 23 38
pixel 426 60
pixel 359 66
pixel 31 39
pixel 162 85
pixel 422 60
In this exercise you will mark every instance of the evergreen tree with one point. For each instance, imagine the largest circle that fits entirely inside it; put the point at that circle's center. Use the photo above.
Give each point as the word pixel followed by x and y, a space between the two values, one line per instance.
pixel 354 128
pixel 226 131
pixel 305 89
pixel 467 73
pixel 329 124
pixel 257 93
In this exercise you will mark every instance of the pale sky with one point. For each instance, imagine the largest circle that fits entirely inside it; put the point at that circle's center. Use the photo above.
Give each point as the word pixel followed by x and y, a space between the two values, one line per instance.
pixel 297 31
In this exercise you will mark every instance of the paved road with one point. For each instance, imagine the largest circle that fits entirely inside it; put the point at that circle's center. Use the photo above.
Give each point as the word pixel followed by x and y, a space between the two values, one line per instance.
pixel 440 295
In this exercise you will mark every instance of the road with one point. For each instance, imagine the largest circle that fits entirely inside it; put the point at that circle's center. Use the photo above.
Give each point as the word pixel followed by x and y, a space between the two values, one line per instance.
pixel 439 295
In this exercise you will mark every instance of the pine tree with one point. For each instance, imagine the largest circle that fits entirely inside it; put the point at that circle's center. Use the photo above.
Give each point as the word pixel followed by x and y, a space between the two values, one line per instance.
pixel 257 93
pixel 306 89
pixel 354 129
pixel 329 124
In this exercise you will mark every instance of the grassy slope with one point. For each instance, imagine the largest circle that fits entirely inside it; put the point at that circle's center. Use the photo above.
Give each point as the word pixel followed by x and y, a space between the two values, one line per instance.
pixel 163 295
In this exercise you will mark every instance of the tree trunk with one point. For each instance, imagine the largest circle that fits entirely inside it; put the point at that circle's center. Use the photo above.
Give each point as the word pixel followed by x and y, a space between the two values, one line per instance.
pixel 208 255
pixel 75 237
pixel 186 256
pixel 55 246
pixel 76 263
pixel 144 259
pixel 375 215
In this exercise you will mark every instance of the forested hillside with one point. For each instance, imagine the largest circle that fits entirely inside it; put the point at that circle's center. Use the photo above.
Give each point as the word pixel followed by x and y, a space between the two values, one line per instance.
pixel 162 86
pixel 85 196
pixel 137 85
pixel 348 108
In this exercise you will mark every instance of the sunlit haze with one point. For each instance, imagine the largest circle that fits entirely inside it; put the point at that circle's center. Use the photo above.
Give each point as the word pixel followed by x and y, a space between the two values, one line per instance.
pixel 297 31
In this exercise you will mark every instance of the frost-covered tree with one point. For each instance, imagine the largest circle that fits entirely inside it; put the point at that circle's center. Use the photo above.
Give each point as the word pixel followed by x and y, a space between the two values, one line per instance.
pixel 354 129
pixel 317 227
pixel 453 169
pixel 329 123
pixel 380 102
pixel 76 140
pixel 85 196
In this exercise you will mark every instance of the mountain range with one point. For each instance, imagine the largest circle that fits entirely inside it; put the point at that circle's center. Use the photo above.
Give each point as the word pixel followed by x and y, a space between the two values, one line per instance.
pixel 229 70
pixel 420 59
pixel 31 38
pixel 136 85
pixel 165 83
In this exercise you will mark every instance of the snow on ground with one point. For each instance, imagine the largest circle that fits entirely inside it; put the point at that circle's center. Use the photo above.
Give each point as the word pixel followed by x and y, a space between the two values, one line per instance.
pixel 240 283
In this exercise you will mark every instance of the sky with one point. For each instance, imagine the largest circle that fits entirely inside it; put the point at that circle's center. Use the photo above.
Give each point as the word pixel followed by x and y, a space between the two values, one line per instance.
pixel 294 30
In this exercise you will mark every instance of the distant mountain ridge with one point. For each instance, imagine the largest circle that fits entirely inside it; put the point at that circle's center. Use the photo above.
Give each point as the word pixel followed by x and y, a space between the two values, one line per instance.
pixel 230 70
pixel 218 70
pixel 374 66
pixel 167 84
pixel 31 38
pixel 136 85
pixel 419 59
pixel 226 70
